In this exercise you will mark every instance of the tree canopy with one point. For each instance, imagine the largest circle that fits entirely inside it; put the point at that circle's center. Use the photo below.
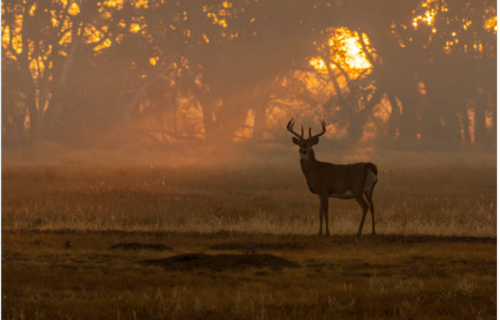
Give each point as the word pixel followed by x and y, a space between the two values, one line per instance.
pixel 164 71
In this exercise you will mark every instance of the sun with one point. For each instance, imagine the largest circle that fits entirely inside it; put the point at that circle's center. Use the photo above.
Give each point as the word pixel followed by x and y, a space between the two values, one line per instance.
pixel 345 50
pixel 356 58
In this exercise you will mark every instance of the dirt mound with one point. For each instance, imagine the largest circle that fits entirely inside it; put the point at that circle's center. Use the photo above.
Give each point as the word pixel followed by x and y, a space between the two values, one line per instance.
pixel 255 246
pixel 140 246
pixel 220 262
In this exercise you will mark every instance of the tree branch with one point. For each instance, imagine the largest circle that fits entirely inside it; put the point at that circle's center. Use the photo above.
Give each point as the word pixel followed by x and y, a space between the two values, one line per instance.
pixel 365 49
pixel 11 43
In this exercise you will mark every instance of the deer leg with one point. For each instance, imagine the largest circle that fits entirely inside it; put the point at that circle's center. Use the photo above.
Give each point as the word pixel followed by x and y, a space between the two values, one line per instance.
pixel 320 215
pixel 373 217
pixel 362 202
pixel 325 211
pixel 372 210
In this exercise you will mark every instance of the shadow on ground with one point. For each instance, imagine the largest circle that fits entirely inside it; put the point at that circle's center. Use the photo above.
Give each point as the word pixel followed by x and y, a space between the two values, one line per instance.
pixel 221 262
pixel 140 246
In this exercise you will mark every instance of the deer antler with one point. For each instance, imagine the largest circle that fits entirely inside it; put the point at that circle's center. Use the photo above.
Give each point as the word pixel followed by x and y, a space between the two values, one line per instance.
pixel 323 127
pixel 290 128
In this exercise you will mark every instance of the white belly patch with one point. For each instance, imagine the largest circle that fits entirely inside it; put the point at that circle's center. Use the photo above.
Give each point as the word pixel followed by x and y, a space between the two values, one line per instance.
pixel 346 195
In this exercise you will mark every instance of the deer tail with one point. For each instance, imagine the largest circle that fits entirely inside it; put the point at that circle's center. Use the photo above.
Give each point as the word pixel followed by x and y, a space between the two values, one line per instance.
pixel 372 167
pixel 371 178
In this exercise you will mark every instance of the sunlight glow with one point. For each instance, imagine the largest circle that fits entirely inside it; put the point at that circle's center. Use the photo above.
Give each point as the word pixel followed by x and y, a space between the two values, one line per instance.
pixel 489 120
pixel 105 44
pixel 74 9
pixel 355 55
pixel 135 27
pixel 223 23
pixel 346 52
pixel 318 64
pixel 65 38
pixel 429 15
pixel 5 37
pixel 37 67
pixel 92 34
pixel 32 10
pixel 247 130
pixel 114 4
pixel 491 24
pixel 467 24
pixel 141 4
pixel 153 60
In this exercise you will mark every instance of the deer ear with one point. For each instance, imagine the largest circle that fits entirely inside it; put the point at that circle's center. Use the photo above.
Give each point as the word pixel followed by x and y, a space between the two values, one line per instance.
pixel 314 141
pixel 295 140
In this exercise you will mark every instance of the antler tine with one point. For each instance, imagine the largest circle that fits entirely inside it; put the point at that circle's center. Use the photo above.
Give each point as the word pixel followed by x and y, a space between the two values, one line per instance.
pixel 323 130
pixel 290 128
pixel 302 132
pixel 310 133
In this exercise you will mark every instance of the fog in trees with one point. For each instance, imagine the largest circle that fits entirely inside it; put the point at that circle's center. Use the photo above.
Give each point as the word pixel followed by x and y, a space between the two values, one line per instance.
pixel 158 74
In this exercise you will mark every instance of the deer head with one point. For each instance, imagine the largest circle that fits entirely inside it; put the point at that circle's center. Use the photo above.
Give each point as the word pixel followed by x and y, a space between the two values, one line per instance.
pixel 305 145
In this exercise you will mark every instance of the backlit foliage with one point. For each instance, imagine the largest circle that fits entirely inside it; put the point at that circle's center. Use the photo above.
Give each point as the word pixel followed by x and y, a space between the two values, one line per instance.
pixel 344 51
pixel 451 27
pixel 491 24
pixel 45 38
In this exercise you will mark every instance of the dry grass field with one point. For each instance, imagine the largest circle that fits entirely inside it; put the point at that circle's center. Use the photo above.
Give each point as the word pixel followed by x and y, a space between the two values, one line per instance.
pixel 386 277
pixel 434 256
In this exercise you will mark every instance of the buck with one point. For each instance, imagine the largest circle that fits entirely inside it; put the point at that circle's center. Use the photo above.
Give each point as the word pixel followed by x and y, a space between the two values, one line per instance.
pixel 350 181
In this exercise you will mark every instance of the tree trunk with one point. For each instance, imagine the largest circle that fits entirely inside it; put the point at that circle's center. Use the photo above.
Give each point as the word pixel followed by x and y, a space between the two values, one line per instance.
pixel 480 118
pixel 359 119
pixel 30 101
pixel 207 103
pixel 408 120
pixel 260 117
pixel 394 118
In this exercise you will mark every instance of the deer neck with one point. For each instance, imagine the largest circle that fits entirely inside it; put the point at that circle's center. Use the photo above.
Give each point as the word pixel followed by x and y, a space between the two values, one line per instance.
pixel 308 164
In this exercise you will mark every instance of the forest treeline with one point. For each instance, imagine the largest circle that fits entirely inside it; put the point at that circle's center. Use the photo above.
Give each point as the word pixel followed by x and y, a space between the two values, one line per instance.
pixel 75 71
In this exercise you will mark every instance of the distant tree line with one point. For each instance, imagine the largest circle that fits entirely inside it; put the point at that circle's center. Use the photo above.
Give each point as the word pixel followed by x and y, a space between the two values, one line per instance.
pixel 163 71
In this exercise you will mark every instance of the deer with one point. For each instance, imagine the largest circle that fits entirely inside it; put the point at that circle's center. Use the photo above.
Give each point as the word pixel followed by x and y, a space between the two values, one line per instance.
pixel 328 180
